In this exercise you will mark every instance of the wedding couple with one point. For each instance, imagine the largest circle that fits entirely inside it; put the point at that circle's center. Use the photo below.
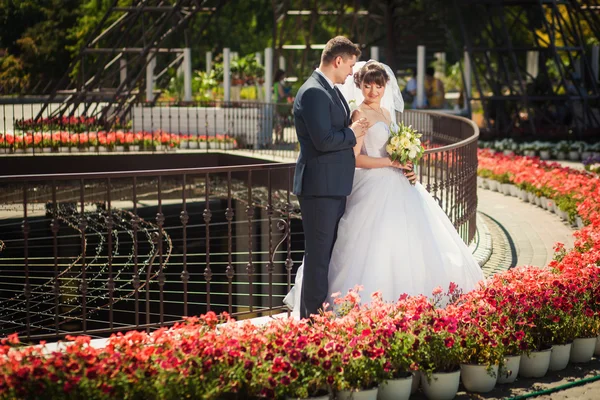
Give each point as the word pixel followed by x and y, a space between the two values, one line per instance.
pixel 364 222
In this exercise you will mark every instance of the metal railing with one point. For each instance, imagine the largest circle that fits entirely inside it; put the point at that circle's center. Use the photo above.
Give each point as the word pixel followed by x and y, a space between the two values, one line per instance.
pixel 97 253
pixel 101 252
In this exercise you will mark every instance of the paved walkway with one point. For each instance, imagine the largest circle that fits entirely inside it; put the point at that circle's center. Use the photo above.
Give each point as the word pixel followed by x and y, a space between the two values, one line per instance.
pixel 523 234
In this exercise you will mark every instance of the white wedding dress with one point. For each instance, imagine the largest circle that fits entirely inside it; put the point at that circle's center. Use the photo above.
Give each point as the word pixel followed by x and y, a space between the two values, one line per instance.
pixel 393 237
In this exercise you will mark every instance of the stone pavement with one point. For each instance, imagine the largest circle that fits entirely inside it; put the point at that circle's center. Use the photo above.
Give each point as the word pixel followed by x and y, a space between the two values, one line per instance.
pixel 522 233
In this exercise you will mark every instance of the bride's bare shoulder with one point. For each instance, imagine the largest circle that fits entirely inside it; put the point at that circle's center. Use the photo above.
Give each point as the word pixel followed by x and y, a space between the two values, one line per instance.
pixel 386 112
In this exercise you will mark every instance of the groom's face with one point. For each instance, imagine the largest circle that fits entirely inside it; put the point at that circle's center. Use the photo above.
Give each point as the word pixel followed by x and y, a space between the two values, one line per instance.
pixel 343 68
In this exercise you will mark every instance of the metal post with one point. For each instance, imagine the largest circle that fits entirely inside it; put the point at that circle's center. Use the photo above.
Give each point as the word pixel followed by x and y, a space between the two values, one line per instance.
pixel 268 74
pixel 208 61
pixel 282 63
pixel 375 53
pixel 532 65
pixel 226 74
pixel 150 77
pixel 420 76
pixel 187 74
pixel 595 61
pixel 122 69
pixel 467 69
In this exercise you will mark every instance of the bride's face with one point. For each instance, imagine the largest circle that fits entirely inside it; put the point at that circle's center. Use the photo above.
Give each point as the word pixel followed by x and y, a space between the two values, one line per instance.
pixel 372 92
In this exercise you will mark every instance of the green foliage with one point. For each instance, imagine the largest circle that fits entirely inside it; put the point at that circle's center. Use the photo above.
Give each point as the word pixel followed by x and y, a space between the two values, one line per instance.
pixel 35 34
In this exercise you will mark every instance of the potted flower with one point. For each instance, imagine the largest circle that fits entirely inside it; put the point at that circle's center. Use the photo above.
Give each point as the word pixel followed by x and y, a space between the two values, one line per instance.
pixel 438 351
pixel 481 332
pixel 544 149
pixel 560 150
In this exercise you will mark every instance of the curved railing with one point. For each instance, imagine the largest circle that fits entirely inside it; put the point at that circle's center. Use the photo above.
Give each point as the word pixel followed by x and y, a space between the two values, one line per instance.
pixel 449 168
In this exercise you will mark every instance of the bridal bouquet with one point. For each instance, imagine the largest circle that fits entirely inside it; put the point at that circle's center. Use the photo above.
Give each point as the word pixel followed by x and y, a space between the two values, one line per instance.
pixel 404 144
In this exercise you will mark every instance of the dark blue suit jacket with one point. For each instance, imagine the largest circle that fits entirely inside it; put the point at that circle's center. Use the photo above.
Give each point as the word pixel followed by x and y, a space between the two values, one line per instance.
pixel 326 163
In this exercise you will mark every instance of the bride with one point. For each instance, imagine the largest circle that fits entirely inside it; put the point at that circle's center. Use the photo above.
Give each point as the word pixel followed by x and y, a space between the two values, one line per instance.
pixel 394 237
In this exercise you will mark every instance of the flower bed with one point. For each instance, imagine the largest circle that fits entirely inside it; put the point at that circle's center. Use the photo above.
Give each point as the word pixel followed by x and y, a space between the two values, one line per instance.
pixel 118 140
pixel 516 312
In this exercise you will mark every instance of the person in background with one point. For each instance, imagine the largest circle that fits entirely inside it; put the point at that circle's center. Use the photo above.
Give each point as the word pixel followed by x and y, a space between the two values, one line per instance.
pixel 434 89
pixel 410 92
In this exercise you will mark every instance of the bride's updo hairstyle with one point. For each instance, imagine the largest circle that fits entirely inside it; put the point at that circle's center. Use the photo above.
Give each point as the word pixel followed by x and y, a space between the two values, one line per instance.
pixel 371 73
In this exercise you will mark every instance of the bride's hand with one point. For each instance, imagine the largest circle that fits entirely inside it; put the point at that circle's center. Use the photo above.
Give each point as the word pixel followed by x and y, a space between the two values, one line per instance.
pixel 396 164
pixel 411 176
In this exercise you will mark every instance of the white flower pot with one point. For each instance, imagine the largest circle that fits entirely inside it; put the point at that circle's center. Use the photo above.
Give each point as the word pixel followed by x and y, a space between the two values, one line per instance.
pixel 158 147
pixel 47 150
pixel 514 191
pixel 579 222
pixel 134 147
pixel 536 364
pixel 544 202
pixel 545 154
pixel 493 185
pixel 102 149
pixel 524 196
pixel 531 197
pixel 120 148
pixel 203 145
pixel 508 152
pixel 574 156
pixel 551 205
pixel 561 155
pixel 479 182
pixel 597 349
pixel 442 386
pixel 416 381
pixel 585 155
pixel 506 189
pixel 193 144
pixel 369 394
pixel 477 378
pixel 509 371
pixel 64 149
pixel 395 389
pixel 583 349
pixel 529 153
pixel 562 214
pixel 560 356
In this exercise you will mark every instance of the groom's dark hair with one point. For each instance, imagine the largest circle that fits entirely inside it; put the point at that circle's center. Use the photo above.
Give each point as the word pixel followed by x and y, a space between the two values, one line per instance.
pixel 339 46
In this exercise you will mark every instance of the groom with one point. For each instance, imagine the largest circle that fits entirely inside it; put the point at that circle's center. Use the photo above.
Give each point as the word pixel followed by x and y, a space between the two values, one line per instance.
pixel 325 166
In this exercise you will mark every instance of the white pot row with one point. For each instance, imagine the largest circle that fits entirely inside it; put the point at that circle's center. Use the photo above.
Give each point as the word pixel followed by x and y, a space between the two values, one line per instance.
pixel 528 197
pixel 479 378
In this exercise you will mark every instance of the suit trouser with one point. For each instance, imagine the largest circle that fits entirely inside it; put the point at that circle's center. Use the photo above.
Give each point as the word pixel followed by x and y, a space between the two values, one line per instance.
pixel 320 219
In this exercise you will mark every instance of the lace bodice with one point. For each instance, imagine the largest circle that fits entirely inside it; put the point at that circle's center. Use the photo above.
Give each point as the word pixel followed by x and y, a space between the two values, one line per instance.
pixel 375 140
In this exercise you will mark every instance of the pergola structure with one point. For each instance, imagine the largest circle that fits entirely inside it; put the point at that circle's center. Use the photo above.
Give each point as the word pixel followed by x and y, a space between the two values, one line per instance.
pixel 120 55
pixel 535 65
